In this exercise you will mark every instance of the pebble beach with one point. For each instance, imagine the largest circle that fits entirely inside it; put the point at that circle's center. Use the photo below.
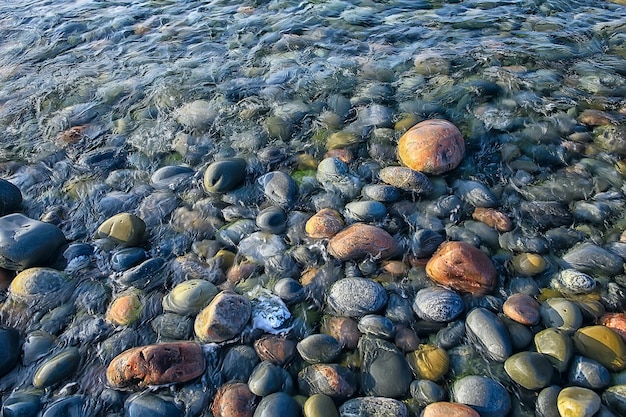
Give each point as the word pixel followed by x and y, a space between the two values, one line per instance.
pixel 313 209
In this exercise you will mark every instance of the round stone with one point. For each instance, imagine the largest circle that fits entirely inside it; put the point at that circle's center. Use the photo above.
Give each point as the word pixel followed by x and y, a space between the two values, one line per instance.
pixel 124 229
pixel 432 146
pixel 336 381
pixel 428 362
pixel 561 314
pixel 615 322
pixel 493 218
pixel 556 346
pixel 578 401
pixel 126 258
pixel 587 373
pixel 289 290
pixel 531 370
pixel 483 394
pixel 267 378
pixel 325 223
pixel 462 267
pixel 426 392
pixel 319 348
pixel 373 407
pixel 223 319
pixel 372 297
pixel 10 197
pixel 488 331
pixel 57 368
pixel 344 329
pixel 529 263
pixel 365 211
pixel 377 326
pixel 279 188
pixel 522 308
pixel 571 281
pixel 189 297
pixel 234 400
pixel 360 241
pixel 224 175
pixel 275 349
pixel 126 308
pixel 406 179
pixel 272 220
pixel 438 304
pixel 45 285
pixel 384 370
pixel 320 405
pixel 447 409
pixel 277 404
pixel 545 406
pixel 603 345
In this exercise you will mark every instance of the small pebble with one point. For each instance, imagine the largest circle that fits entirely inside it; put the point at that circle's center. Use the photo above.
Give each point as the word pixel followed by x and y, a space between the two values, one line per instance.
pixel 577 402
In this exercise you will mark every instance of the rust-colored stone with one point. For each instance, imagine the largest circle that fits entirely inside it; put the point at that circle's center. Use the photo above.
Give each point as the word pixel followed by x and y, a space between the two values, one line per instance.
pixel 462 267
pixel 234 400
pixel 522 308
pixel 615 322
pixel 432 146
pixel 325 223
pixel 224 318
pixel 160 364
pixel 275 349
pixel 360 241
pixel 446 409
pixel 493 218
pixel 344 329
pixel 241 271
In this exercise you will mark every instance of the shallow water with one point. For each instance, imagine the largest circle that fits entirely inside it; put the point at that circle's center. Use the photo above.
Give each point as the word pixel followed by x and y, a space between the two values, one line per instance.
pixel 95 96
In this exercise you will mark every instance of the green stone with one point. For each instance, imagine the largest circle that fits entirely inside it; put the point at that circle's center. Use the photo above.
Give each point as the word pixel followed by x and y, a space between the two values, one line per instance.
pixel 529 369
pixel 57 368
pixel 320 405
pixel 124 229
pixel 189 297
pixel 557 347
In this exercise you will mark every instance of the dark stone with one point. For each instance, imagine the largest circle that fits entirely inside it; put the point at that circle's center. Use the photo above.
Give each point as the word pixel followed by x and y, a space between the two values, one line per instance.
pixel 10 198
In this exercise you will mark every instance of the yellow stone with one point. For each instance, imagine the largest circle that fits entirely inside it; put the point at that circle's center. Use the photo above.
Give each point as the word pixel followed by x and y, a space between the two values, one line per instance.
pixel 529 263
pixel 577 402
pixel 340 140
pixel 428 362
pixel 124 228
pixel 602 345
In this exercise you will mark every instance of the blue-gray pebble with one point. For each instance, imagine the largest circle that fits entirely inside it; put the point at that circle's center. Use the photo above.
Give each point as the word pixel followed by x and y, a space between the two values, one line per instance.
pixel 277 404
pixel 438 304
pixel 10 347
pixel 145 404
pixel 486 330
pixel 483 394
pixel 10 198
pixel 279 188
pixel 585 372
pixel 225 175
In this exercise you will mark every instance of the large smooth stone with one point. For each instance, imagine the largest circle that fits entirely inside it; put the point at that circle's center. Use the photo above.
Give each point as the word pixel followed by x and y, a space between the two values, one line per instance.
pixel 341 297
pixel 234 400
pixel 490 333
pixel 587 373
pixel 529 369
pixel 124 229
pixel 25 242
pixel 224 318
pixel 438 304
pixel 10 197
pixel 561 314
pixel 432 146
pixel 277 404
pixel 603 345
pixel 483 394
pixel 428 362
pixel 46 286
pixel 10 348
pixel 318 405
pixel 279 188
pixel 225 175
pixel 21 404
pixel 146 404
pixel 57 368
pixel 319 348
pixel 593 259
pixel 462 267
pixel 577 402
pixel 373 407
pixel 189 297
pixel 447 409
pixel 615 397
pixel 159 364
pixel 384 370
pixel 556 346
pixel 360 241
pixel 336 381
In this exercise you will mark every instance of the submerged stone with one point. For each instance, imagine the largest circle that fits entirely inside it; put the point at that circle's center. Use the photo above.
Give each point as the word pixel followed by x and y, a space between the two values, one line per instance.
pixel 57 368
pixel 483 394
pixel 372 297
pixel 362 241
pixel 124 229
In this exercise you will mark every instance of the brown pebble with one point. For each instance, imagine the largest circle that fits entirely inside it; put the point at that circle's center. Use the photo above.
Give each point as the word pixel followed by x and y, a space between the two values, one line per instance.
pixel 275 349
pixel 240 272
pixel 160 364
pixel 325 223
pixel 342 154
pixel 615 322
pixel 329 379
pixel 344 329
pixel 462 267
pixel 446 409
pixel 523 309
pixel 395 268
pixel 493 218
pixel 432 146
pixel 406 339
pixel 360 241
pixel 224 318
pixel 592 117
pixel 126 309
pixel 234 400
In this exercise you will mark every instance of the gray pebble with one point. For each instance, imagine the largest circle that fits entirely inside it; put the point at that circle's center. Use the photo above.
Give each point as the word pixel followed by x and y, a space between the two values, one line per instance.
pixel 585 372
pixel 438 304
pixel 489 333
pixel 483 394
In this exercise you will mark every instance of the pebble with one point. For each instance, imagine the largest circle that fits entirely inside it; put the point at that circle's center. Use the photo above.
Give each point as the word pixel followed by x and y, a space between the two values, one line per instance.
pixel 603 345
pixel 224 175
pixel 144 403
pixel 384 370
pixel 336 381
pixel 571 281
pixel 277 404
pixel 289 290
pixel 489 333
pixel 433 146
pixel 438 304
pixel 529 264
pixel 587 373
pixel 485 395
pixel 71 406
pixel 238 363
pixel 124 229
pixel 160 364
pixel 25 243
pixel 234 400
pixel 522 308
pixel 47 286
pixel 223 319
pixel 531 370
pixel 57 368
pixel 21 403
pixel 147 275
pixel 37 344
pixel 557 346
pixel 189 297
pixel 360 241
pixel 344 329
pixel 381 192
pixel 426 392
pixel 267 378
pixel 592 259
pixel 475 193
pixel 447 409
pixel 341 299
pixel 275 349
pixel 318 405
pixel 377 326
pixel 10 347
pixel 126 309
pixel 373 407
pixel 171 177
pixel 198 114
pixel 577 401
pixel 615 322
pixel 545 406
pixel 319 348
pixel 326 223
pixel 279 188
pixel 493 218
pixel 406 179
pixel 126 258
pixel 615 398
pixel 462 267
pixel 272 220
pixel 365 211
pixel 428 362
pixel 10 198
pixel 561 314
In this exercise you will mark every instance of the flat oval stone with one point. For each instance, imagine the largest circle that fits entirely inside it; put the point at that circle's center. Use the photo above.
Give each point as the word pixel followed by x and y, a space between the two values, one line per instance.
pixel 234 400
pixel 361 241
pixel 336 381
pixel 432 146
pixel 615 397
pixel 475 193
pixel 57 368
pixel 438 304
pixel 325 223
pixel 272 220
pixel 522 308
pixel 142 404
pixel 26 243
pixel 447 409
pixel 556 346
pixel 372 297
pixel 279 188
pixel 223 319
pixel 224 175
pixel 275 349
pixel 603 345
pixel 146 276
pixel 319 348
pixel 428 362
pixel 126 258
pixel 124 229
pixel 267 378
pixel 406 179
pixel 593 259
pixel 377 326
pixel 578 401
pixel 462 267
pixel 493 218
pixel 529 263
pixel 318 405
pixel 10 348
pixel 189 297
pixel 426 392
pixel 384 370
pixel 373 407
pixel 381 192
pixel 483 394
pixel 171 177
pixel 571 281
pixel 531 370
pixel 561 314
pixel 488 331
pixel 587 373
pixel 365 211
pixel 277 404
pixel 160 364
pixel 10 197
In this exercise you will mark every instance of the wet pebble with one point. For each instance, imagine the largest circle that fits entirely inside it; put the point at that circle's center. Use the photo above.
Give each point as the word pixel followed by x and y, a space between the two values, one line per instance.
pixel 47 286
pixel 325 223
pixel 171 177
pixel 25 242
pixel 475 193
pixel 561 314
pixel 144 403
pixel 592 259
pixel 234 400
pixel 37 344
pixel 267 378
pixel 344 329
pixel 224 175
pixel 493 218
pixel 289 290
pixel 603 345
pixel 124 229
pixel 529 264
pixel 279 188
pixel 57 368
pixel 545 406
pixel 272 220
pixel 319 348
pixel 517 242
pixel 462 267
pixel 615 398
pixel 21 403
pixel 406 179
pixel 381 192
pixel 578 401
pixel 189 297
pixel 384 370
pixel 10 198
pixel 571 281
pixel 522 308
pixel 146 276
pixel 556 346
pixel 277 404
pixel 198 114
pixel 438 304
pixel 319 405
pixel 426 392
pixel 238 363
pixel 224 318
pixel 428 362
pixel 160 364
pixel 483 394
pixel 360 241
pixel 275 349
pixel 447 409
pixel 531 370
pixel 615 322
pixel 373 407
pixel 489 333
pixel 126 258
pixel 126 309
pixel 10 347
pixel 365 211
pixel 587 373
pixel 72 405
pixel 372 297
pixel 377 326
pixel 336 381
